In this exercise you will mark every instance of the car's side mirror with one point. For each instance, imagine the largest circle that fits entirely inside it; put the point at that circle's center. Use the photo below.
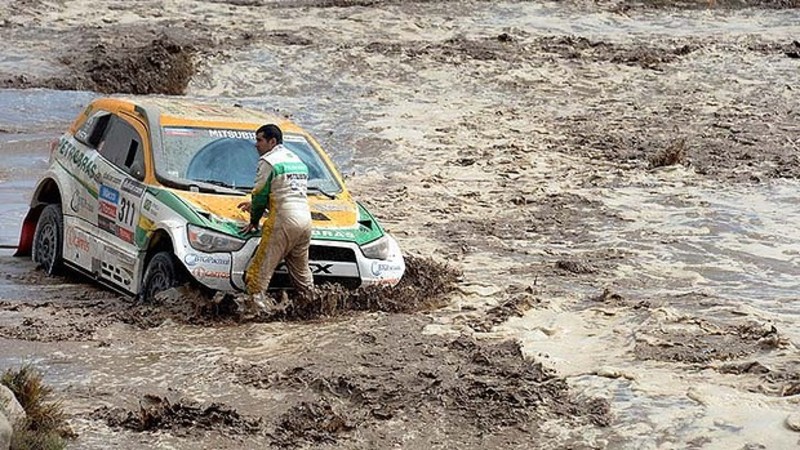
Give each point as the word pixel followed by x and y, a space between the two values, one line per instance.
pixel 137 171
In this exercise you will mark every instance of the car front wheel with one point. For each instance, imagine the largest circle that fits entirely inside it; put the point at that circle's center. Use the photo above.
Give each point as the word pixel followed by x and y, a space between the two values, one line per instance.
pixel 48 240
pixel 162 273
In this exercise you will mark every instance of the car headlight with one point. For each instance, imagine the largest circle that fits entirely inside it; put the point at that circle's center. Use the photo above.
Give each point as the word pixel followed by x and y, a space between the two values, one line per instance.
pixel 209 241
pixel 377 250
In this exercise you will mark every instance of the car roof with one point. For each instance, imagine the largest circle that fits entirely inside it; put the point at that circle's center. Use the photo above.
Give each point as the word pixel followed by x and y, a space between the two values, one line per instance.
pixel 196 113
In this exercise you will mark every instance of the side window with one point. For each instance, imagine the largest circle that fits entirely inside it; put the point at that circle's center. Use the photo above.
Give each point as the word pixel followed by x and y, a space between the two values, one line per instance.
pixel 93 130
pixel 122 146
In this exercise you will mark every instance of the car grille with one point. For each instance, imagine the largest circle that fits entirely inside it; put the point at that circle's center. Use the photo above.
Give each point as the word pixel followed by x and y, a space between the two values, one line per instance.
pixel 282 281
pixel 325 253
pixel 322 253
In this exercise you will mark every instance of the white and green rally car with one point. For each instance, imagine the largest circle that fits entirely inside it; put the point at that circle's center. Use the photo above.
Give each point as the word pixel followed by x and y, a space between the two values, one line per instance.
pixel 142 194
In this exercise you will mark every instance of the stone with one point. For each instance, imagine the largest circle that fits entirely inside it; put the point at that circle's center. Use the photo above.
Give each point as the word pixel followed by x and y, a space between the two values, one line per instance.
pixel 10 407
pixel 5 432
pixel 793 422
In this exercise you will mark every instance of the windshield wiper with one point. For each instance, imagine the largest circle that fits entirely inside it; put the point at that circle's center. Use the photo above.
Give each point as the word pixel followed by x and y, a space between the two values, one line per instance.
pixel 319 190
pixel 215 183
pixel 226 189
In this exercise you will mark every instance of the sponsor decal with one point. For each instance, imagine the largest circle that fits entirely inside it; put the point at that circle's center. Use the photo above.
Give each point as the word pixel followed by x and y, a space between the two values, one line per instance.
pixel 179 132
pixel 333 234
pixel 106 224
pixel 119 257
pixel 193 259
pixel 111 178
pixel 133 187
pixel 236 134
pixel 201 272
pixel 330 207
pixel 297 186
pixel 109 194
pixel 77 158
pixel 77 240
pixel 151 207
pixel 316 268
pixel 125 235
pixel 378 268
pixel 107 209
pixel 320 268
pixel 80 203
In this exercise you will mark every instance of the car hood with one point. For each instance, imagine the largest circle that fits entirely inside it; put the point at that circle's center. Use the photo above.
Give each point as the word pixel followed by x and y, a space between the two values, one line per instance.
pixel 340 219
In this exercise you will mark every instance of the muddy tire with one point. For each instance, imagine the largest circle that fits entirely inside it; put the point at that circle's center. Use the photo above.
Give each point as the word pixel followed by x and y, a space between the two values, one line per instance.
pixel 162 273
pixel 48 240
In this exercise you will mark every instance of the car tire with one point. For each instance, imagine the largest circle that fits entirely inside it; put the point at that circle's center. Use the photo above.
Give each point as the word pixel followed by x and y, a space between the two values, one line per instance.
pixel 162 273
pixel 48 240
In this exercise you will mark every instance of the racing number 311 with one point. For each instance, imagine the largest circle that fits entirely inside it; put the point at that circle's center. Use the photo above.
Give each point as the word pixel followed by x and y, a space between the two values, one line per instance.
pixel 126 211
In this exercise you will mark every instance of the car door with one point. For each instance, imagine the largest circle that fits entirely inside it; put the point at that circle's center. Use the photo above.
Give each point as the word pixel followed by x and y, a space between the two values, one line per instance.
pixel 77 156
pixel 121 169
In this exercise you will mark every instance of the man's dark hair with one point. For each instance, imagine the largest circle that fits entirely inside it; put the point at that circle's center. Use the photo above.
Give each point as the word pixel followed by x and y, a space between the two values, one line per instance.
pixel 271 131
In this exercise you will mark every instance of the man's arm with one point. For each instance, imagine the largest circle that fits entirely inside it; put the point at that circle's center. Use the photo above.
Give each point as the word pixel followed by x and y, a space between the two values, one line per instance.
pixel 260 191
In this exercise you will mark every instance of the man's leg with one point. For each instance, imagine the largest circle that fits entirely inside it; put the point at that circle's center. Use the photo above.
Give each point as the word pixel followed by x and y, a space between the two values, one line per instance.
pixel 297 260
pixel 268 255
pixel 254 275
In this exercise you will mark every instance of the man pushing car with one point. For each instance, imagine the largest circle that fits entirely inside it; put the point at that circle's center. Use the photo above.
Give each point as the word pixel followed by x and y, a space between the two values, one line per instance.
pixel 280 187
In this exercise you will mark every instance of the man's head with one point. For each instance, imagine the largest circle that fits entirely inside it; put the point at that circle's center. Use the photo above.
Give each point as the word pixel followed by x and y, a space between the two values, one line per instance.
pixel 267 137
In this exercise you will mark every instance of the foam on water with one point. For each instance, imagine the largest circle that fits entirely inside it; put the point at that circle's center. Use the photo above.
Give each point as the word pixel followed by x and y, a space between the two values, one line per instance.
pixel 554 18
pixel 742 242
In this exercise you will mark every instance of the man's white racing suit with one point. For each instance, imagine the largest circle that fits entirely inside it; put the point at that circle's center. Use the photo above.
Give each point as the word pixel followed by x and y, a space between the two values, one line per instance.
pixel 281 185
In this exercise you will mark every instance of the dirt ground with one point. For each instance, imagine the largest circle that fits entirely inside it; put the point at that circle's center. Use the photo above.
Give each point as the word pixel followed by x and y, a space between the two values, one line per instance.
pixel 501 157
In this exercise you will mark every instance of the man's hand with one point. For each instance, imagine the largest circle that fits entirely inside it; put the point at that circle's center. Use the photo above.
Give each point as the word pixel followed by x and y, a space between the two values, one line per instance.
pixel 245 206
pixel 249 228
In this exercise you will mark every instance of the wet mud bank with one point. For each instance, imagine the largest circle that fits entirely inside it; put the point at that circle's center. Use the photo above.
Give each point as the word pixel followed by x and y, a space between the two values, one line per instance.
pixel 122 65
pixel 374 368
pixel 180 417
pixel 78 310
pixel 449 385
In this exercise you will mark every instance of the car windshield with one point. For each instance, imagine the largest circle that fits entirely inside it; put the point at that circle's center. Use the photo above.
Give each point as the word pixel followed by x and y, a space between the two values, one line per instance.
pixel 228 158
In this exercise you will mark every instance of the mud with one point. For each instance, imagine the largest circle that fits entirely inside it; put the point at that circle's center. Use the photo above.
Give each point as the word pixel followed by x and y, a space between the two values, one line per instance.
pixel 555 217
pixel 627 5
pixel 488 388
pixel 781 382
pixel 613 184
pixel 122 65
pixel 615 299
pixel 424 287
pixel 516 302
pixel 700 341
pixel 180 417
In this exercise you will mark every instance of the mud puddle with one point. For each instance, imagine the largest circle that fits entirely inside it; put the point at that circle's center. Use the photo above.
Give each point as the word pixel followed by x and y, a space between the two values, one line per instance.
pixel 75 309
pixel 361 372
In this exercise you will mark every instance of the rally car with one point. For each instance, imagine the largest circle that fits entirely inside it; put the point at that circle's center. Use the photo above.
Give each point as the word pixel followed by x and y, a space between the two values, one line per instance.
pixel 142 193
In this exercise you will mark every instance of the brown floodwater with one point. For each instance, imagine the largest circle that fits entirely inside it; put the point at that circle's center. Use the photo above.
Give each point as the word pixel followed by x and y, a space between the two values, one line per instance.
pixel 606 301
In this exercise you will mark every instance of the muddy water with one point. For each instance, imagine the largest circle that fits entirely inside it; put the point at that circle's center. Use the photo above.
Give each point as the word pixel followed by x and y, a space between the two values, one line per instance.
pixel 519 159
pixel 695 254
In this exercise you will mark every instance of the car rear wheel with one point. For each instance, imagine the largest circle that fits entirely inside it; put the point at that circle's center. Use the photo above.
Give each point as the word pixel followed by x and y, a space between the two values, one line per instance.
pixel 48 240
pixel 162 273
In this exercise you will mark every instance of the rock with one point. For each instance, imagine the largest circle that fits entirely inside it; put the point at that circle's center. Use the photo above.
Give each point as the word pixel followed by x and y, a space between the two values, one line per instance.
pixel 10 407
pixel 5 432
pixel 792 422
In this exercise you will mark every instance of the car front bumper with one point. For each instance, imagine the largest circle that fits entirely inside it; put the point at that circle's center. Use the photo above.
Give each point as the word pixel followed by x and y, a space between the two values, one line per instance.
pixel 330 262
